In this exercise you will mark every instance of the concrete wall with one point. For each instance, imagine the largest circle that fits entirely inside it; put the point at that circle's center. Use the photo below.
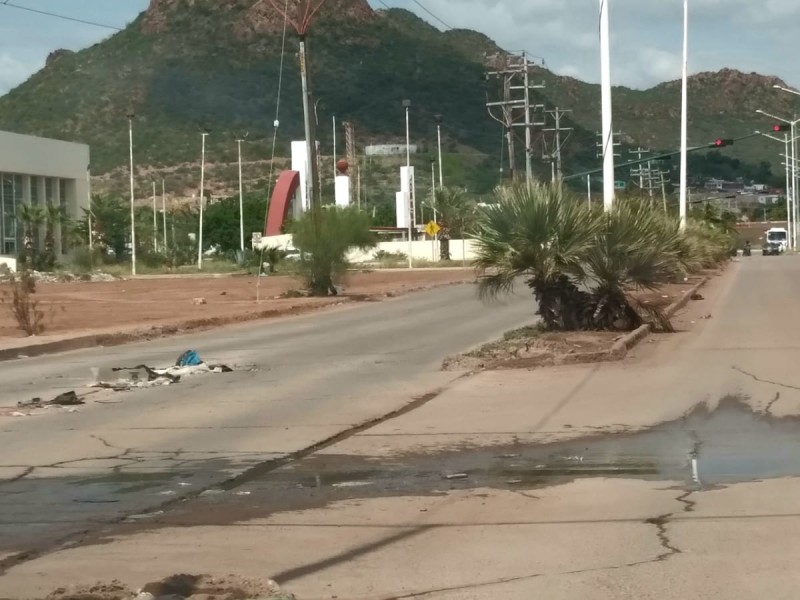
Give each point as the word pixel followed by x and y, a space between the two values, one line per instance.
pixel 460 250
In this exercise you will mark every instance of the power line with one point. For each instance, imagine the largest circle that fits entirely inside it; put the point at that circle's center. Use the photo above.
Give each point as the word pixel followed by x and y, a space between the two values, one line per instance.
pixel 58 16
pixel 422 6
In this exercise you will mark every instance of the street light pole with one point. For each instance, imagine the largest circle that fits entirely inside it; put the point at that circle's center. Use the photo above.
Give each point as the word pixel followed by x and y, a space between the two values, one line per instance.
pixel 684 116
pixel 202 200
pixel 410 210
pixel 241 198
pixel 155 221
pixel 133 213
pixel 439 119
pixel 605 75
pixel 164 212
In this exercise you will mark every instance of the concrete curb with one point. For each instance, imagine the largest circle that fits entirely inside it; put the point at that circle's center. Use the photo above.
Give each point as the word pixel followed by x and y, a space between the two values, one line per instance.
pixel 119 338
pixel 621 347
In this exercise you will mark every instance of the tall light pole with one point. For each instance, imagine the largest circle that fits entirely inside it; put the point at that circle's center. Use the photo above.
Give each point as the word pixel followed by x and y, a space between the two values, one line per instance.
pixel 684 116
pixel 789 186
pixel 89 204
pixel 796 210
pixel 410 210
pixel 202 200
pixel 133 213
pixel 241 195
pixel 155 221
pixel 792 163
pixel 335 171
pixel 605 76
pixel 439 121
pixel 164 212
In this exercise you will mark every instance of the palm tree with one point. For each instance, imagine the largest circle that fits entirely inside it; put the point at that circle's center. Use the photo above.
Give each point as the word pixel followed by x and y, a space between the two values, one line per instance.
pixel 31 217
pixel 637 248
pixel 324 241
pixel 53 216
pixel 542 233
pixel 453 209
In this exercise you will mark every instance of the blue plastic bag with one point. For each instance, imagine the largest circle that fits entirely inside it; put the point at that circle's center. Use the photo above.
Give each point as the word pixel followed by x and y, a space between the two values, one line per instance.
pixel 190 358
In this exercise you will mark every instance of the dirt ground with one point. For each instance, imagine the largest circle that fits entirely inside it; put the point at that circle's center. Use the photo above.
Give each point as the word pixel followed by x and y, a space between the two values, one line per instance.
pixel 83 308
pixel 530 347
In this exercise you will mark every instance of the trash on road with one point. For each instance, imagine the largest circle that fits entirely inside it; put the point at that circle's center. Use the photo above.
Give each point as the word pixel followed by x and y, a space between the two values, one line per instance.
pixel 455 476
pixel 122 379
pixel 190 358
pixel 66 399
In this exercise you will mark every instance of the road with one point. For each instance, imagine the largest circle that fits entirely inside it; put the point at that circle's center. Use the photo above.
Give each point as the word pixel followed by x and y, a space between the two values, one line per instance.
pixel 670 475
pixel 298 381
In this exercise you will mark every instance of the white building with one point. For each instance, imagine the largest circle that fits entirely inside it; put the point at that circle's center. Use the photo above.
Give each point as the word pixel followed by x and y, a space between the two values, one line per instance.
pixel 40 172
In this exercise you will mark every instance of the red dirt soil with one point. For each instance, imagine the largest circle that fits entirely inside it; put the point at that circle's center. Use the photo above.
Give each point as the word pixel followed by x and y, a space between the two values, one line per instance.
pixel 83 308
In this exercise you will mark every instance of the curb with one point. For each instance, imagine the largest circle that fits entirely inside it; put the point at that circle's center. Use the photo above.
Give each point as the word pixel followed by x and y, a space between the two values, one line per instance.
pixel 621 347
pixel 100 340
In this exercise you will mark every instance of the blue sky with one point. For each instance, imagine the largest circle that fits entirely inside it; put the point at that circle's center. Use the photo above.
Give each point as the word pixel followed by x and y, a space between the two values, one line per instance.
pixel 750 35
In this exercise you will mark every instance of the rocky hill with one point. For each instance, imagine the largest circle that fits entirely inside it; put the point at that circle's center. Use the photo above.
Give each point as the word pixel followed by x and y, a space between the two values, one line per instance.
pixel 185 65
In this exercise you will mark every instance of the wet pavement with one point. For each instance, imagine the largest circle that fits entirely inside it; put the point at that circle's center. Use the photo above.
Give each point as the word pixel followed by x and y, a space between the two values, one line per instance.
pixel 702 450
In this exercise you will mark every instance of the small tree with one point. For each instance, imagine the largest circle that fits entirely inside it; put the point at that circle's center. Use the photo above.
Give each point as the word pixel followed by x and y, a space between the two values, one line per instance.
pixel 324 243
pixel 454 210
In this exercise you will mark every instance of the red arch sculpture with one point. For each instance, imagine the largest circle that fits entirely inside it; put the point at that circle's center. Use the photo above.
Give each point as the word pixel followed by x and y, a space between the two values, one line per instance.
pixel 281 200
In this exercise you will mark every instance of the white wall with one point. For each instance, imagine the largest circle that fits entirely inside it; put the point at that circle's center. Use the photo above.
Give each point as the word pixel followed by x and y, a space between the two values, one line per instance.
pixel 422 250
pixel 11 263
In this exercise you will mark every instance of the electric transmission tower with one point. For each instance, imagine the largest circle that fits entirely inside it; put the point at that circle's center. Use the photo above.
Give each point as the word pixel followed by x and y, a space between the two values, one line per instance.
pixel 558 142
pixel 516 108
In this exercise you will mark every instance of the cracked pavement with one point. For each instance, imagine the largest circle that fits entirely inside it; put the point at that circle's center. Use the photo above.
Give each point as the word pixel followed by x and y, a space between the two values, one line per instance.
pixel 639 493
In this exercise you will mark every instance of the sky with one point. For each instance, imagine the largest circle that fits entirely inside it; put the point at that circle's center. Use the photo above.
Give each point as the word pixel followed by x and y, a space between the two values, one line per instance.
pixel 749 35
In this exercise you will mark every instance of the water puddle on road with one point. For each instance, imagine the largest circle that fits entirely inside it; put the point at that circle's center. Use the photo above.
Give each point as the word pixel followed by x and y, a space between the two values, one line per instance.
pixel 729 444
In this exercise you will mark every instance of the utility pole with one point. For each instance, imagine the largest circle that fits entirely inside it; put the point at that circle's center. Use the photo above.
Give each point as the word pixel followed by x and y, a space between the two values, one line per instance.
pixel 202 201
pixel 516 109
pixel 557 115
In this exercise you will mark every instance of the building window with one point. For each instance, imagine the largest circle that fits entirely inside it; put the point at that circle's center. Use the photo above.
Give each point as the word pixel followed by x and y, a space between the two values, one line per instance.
pixel 8 212
pixel 49 190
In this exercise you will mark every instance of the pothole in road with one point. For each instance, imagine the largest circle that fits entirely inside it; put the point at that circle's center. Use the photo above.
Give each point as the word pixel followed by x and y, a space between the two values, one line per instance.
pixel 728 445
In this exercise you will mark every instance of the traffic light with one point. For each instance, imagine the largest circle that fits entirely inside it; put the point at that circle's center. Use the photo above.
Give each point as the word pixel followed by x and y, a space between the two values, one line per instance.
pixel 781 127
pixel 721 143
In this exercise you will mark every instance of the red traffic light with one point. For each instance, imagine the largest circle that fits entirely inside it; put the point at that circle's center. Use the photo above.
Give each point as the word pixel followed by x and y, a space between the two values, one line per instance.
pixel 721 143
pixel 780 127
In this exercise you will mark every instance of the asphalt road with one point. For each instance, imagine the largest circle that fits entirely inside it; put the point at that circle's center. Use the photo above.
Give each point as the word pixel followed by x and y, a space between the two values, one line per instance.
pixel 298 381
pixel 673 474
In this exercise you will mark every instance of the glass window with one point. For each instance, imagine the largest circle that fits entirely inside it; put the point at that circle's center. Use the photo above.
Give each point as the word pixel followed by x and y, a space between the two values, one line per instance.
pixel 9 218
pixel 34 190
pixel 49 191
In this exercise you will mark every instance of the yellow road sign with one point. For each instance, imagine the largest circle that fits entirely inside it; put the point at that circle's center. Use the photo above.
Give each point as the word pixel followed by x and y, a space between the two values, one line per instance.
pixel 432 228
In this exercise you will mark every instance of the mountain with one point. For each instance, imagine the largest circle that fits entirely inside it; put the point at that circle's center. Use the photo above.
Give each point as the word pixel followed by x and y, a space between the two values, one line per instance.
pixel 185 65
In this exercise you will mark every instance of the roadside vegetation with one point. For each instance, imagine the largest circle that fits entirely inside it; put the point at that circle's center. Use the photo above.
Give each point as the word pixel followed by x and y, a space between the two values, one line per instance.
pixel 584 266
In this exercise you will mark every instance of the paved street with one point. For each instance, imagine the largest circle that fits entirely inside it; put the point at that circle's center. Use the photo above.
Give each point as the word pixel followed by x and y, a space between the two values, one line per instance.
pixel 672 474
pixel 300 381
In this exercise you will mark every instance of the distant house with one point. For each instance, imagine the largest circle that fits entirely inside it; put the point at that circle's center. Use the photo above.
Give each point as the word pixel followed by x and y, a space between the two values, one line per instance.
pixel 390 149
pixel 721 185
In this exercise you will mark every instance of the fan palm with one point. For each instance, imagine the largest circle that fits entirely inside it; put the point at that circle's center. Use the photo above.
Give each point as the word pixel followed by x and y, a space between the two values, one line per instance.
pixel 324 241
pixel 453 209
pixel 53 216
pixel 539 232
pixel 636 249
pixel 31 217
